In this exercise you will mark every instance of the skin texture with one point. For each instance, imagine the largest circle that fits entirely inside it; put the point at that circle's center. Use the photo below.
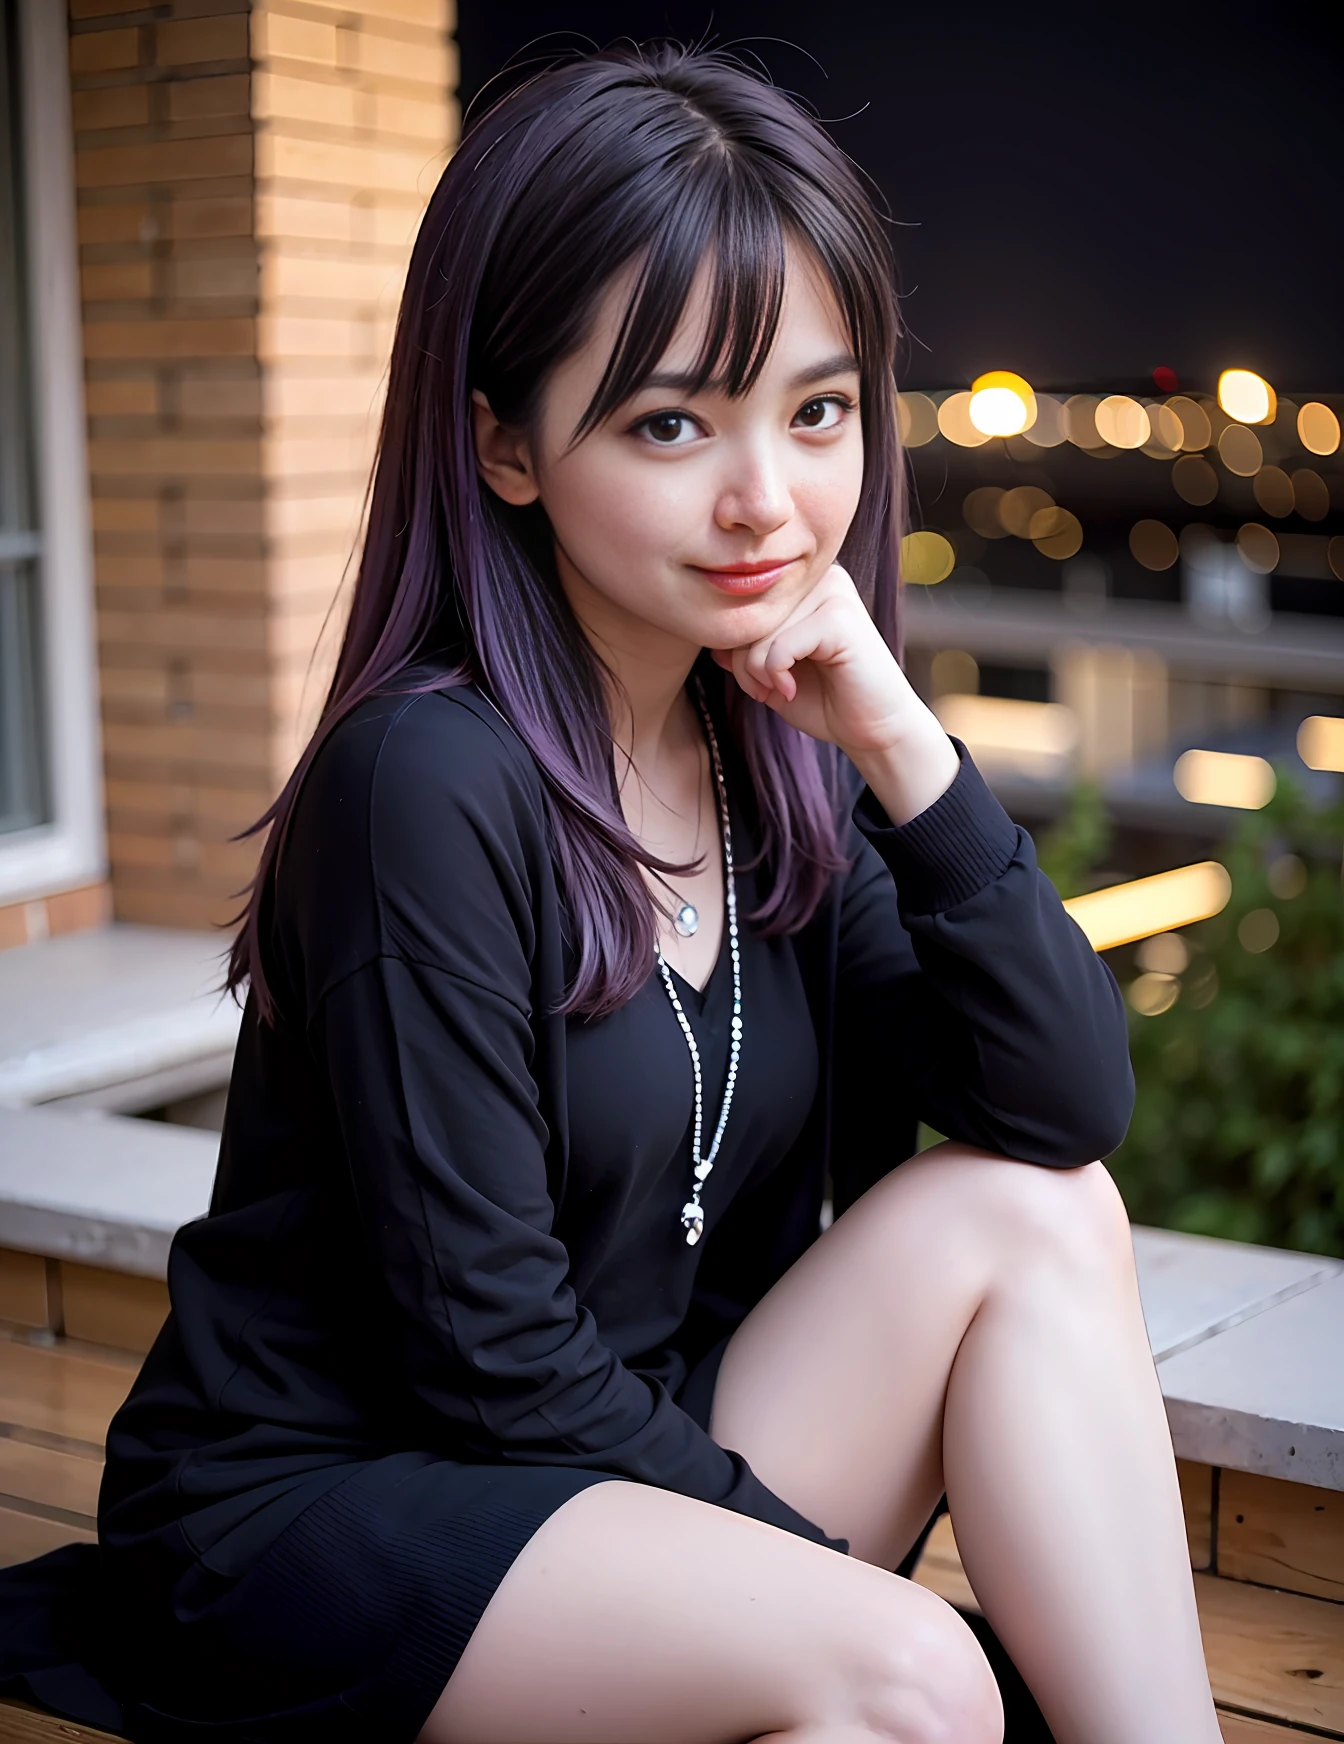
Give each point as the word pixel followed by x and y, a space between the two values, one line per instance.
pixel 970 1324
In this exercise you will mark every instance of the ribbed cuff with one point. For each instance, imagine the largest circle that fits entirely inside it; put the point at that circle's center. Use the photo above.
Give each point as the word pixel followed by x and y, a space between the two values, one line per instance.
pixel 962 842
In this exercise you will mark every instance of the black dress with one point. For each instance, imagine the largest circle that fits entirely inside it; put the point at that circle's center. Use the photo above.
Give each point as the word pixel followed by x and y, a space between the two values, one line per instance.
pixel 443 1284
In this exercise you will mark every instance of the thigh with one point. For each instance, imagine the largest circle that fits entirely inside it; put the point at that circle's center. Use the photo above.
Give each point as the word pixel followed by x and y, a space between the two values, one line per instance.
pixel 635 1615
pixel 833 1387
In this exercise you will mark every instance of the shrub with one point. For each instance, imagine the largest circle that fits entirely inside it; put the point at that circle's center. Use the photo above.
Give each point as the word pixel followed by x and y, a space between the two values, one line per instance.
pixel 1237 1037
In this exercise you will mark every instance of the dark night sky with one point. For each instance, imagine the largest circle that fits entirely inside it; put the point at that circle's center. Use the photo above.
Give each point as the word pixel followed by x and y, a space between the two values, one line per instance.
pixel 1083 193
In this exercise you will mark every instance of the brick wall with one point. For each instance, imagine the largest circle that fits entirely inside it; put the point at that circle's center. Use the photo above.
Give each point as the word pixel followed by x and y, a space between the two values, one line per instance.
pixel 249 179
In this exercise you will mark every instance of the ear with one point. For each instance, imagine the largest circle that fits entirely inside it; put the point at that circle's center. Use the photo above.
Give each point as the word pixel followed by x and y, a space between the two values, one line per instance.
pixel 503 456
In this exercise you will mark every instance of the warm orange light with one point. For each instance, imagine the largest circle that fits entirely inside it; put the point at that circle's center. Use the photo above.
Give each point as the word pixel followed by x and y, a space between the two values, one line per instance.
pixel 1125 912
pixel 1318 428
pixel 1224 778
pixel 954 420
pixel 1008 735
pixel 1258 548
pixel 1245 396
pixel 1194 480
pixel 1017 506
pixel 1048 430
pixel 1274 491
pixel 916 419
pixel 1001 404
pixel 1196 430
pixel 926 558
pixel 1153 544
pixel 1320 742
pixel 1056 533
pixel 1240 451
pixel 1122 422
pixel 1311 494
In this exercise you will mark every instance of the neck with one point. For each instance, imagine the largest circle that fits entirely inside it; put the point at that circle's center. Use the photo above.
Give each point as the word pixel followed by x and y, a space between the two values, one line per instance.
pixel 648 668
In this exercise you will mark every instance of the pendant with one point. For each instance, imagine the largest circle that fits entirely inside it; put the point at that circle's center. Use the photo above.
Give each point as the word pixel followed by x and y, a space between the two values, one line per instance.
pixel 693 1221
pixel 686 920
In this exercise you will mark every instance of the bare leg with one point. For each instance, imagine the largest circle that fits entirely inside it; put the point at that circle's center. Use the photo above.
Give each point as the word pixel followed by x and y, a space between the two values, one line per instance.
pixel 638 1616
pixel 975 1323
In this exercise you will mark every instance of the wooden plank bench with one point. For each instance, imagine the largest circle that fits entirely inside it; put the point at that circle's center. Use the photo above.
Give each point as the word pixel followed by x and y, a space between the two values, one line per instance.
pixel 1249 1342
pixel 1256 1405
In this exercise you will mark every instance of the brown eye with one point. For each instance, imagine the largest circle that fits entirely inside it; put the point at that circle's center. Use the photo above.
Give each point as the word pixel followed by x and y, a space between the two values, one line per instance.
pixel 665 426
pixel 813 414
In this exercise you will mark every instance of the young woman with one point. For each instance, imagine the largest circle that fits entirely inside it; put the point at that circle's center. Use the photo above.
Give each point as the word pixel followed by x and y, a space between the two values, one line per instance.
pixel 626 901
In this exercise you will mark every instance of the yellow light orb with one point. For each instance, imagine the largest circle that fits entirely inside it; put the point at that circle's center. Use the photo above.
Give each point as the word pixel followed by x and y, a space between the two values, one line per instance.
pixel 1318 428
pixel 1122 422
pixel 954 422
pixel 1246 396
pixel 926 558
pixel 1001 404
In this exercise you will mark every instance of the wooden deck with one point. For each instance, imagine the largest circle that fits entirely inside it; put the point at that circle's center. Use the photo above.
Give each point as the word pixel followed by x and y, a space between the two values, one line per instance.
pixel 1268 1555
pixel 1269 1562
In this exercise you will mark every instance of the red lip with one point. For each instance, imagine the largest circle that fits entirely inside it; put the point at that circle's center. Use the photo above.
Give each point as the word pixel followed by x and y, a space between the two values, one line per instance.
pixel 743 578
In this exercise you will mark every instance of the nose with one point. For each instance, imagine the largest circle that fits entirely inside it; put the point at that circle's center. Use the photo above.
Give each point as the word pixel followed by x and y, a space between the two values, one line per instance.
pixel 754 493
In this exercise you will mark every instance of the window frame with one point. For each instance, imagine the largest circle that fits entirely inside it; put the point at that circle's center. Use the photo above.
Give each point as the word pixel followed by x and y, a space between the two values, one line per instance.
pixel 70 849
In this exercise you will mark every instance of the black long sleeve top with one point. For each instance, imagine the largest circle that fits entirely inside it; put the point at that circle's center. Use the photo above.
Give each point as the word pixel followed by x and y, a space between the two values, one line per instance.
pixel 447 1218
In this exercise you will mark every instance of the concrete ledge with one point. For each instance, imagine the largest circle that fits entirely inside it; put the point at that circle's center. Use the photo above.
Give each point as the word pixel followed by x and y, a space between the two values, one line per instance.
pixel 121 1017
pixel 1249 1344
pixel 102 1189
pixel 1249 1341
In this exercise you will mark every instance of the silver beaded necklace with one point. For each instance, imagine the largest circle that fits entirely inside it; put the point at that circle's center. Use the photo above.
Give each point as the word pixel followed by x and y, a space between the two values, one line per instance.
pixel 692 1212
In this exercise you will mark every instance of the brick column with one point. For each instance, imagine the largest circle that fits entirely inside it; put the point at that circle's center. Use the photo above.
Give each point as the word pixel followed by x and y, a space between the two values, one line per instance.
pixel 249 183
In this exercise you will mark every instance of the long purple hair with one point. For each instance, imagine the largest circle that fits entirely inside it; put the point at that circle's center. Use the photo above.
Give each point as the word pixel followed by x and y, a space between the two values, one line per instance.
pixel 659 155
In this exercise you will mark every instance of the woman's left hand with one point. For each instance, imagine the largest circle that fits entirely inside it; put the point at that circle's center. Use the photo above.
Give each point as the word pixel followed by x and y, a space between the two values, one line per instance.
pixel 827 671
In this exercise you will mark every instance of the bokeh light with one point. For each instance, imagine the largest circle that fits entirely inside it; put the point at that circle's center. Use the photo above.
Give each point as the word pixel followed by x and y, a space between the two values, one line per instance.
pixel 1317 428
pixel 980 511
pixel 1320 742
pixel 1001 404
pixel 1153 544
pixel 1311 494
pixel 1224 778
pixel 1016 507
pixel 954 420
pixel 1274 491
pixel 917 419
pixel 1166 434
pixel 1286 876
pixel 1007 735
pixel 1194 480
pixel 1122 913
pixel 954 672
pixel 926 558
pixel 1080 421
pixel 1334 556
pixel 1246 396
pixel 1258 931
pixel 1196 430
pixel 1048 430
pixel 1257 547
pixel 1240 451
pixel 1122 422
pixel 1164 954
pixel 1055 532
pixel 1154 993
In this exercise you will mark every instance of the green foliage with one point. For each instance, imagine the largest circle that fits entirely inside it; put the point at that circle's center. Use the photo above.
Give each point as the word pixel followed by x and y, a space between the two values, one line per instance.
pixel 1078 841
pixel 1239 1124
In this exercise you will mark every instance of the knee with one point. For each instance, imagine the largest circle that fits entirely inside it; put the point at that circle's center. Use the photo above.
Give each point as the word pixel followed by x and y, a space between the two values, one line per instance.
pixel 926 1680
pixel 1073 1217
pixel 1025 1213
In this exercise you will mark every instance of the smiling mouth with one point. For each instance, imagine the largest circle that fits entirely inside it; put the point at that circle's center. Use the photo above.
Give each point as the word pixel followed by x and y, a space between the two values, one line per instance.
pixel 746 578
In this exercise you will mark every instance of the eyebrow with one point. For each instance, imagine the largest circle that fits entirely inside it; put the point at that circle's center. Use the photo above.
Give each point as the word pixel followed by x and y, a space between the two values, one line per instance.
pixel 684 381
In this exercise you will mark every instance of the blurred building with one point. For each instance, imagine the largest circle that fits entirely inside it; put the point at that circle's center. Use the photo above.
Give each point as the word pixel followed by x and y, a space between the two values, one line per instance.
pixel 206 209
pixel 1141 588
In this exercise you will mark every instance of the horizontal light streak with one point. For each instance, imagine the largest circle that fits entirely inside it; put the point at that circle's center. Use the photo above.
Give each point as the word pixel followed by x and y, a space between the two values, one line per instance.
pixel 1160 904
pixel 1005 733
pixel 1224 778
pixel 1320 742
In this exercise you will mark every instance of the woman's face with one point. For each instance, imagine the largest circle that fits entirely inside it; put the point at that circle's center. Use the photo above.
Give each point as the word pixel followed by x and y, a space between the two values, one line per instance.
pixel 653 509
